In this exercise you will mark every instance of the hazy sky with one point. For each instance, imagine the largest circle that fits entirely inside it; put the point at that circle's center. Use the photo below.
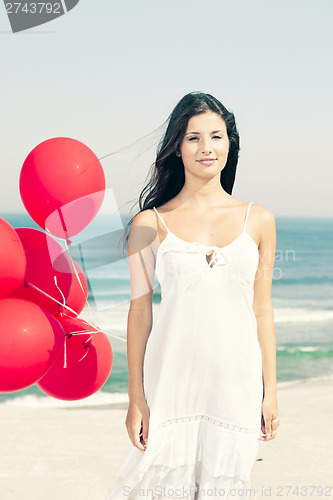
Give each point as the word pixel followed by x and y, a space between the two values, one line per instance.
pixel 107 73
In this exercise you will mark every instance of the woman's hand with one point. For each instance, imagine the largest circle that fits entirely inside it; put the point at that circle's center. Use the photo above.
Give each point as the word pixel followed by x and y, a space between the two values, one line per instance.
pixel 270 412
pixel 137 422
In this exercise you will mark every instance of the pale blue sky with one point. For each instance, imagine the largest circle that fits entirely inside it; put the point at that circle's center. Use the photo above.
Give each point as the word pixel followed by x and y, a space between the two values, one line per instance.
pixel 108 73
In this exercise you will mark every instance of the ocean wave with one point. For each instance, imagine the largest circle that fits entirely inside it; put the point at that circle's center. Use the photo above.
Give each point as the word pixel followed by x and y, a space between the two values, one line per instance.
pixel 100 398
pixel 299 315
pixel 103 398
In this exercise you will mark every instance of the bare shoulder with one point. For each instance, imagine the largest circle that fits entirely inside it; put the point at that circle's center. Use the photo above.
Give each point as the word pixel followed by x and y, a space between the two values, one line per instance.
pixel 145 218
pixel 143 231
pixel 264 215
pixel 261 214
pixel 265 223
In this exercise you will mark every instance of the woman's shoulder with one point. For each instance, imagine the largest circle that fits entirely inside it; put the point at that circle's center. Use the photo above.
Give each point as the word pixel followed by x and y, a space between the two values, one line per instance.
pixel 261 218
pixel 145 217
pixel 262 223
pixel 262 212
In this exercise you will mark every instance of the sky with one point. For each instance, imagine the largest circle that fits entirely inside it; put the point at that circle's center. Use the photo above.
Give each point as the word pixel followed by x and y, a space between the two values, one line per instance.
pixel 110 73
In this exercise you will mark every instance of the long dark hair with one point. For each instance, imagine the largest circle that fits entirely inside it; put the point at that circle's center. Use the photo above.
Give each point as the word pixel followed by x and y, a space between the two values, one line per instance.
pixel 166 175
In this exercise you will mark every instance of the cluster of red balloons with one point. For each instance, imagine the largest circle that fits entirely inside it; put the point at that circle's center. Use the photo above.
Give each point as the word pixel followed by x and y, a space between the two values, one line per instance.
pixel 42 289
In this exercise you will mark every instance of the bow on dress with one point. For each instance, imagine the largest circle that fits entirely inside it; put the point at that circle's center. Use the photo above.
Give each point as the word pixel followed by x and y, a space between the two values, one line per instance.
pixel 218 259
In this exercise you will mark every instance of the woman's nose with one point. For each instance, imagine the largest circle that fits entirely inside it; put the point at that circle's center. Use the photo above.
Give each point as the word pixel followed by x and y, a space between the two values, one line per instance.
pixel 206 146
pixel 207 149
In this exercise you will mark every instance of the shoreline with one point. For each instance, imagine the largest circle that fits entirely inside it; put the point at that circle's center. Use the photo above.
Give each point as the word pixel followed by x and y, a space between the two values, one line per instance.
pixel 94 402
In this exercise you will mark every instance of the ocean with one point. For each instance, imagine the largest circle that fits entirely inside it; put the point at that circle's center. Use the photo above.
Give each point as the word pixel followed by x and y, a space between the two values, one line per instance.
pixel 302 296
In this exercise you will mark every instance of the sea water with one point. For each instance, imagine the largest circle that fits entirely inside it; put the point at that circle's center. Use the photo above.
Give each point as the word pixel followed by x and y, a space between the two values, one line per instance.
pixel 302 296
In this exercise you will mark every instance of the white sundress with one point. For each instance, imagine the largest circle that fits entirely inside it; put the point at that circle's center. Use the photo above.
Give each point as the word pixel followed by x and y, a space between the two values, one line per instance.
pixel 202 376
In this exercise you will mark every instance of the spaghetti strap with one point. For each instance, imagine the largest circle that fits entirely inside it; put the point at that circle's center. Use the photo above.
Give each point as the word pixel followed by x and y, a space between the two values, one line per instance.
pixel 244 228
pixel 247 215
pixel 160 216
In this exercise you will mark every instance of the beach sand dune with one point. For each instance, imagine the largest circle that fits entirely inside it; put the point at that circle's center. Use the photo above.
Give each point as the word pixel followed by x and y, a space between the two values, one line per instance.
pixel 73 453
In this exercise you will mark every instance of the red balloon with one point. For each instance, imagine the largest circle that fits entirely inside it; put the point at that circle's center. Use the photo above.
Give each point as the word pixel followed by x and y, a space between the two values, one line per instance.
pixel 77 297
pixel 89 363
pixel 30 340
pixel 12 259
pixel 46 259
pixel 62 185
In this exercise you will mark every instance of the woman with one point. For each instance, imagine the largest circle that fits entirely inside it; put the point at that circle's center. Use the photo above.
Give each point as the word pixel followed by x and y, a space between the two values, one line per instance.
pixel 202 380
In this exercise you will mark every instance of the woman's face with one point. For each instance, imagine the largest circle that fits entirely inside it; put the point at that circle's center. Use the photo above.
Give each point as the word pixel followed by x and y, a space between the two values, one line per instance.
pixel 206 137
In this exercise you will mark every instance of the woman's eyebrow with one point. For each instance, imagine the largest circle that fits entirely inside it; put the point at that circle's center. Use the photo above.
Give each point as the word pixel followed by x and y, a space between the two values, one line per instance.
pixel 213 132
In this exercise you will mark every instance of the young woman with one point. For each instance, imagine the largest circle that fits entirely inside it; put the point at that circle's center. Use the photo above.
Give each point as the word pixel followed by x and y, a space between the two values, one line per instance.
pixel 202 379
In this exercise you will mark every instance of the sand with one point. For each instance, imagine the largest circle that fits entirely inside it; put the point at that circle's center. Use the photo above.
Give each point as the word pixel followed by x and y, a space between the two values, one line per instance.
pixel 73 453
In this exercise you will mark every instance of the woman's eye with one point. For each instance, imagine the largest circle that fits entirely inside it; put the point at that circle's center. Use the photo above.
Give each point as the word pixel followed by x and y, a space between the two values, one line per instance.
pixel 215 136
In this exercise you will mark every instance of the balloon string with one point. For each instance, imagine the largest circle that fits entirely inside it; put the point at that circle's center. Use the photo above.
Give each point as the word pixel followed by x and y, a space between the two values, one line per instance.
pixel 94 332
pixel 27 283
pixel 85 332
pixel 65 353
pixel 64 304
pixel 63 297
pixel 63 223
pixel 96 329
pixel 75 270
pixel 87 350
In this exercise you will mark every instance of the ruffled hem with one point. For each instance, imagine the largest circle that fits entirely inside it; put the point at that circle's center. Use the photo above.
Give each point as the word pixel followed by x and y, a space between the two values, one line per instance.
pixel 162 482
pixel 184 456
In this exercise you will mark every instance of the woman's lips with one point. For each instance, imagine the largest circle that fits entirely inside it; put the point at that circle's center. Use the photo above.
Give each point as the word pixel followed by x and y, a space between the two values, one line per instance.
pixel 207 162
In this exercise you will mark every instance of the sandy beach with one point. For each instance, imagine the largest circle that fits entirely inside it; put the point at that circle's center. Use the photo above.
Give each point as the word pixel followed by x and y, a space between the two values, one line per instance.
pixel 73 453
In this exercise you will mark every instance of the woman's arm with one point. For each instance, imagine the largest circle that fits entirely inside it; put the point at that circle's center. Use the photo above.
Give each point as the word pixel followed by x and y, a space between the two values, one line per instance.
pixel 263 309
pixel 142 269
pixel 139 323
